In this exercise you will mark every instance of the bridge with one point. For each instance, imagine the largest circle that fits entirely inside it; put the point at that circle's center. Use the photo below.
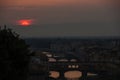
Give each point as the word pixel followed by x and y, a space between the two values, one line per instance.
pixel 63 64
pixel 99 68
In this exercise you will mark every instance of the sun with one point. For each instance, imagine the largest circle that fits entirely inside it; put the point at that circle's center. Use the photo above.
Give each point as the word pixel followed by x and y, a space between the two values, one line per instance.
pixel 25 22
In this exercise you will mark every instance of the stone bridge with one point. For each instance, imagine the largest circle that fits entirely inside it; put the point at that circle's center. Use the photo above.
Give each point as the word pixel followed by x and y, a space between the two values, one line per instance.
pixel 100 68
pixel 63 64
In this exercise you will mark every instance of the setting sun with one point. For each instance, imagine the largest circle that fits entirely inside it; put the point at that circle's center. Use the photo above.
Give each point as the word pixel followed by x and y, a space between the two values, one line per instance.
pixel 25 22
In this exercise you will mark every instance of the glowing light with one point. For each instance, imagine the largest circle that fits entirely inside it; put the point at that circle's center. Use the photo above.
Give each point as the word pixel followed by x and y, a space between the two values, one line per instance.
pixel 25 22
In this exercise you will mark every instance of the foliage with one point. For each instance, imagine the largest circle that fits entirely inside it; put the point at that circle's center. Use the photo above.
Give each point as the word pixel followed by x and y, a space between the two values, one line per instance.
pixel 14 56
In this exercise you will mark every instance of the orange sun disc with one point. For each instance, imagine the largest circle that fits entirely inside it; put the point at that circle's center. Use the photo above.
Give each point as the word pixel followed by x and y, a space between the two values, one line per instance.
pixel 25 22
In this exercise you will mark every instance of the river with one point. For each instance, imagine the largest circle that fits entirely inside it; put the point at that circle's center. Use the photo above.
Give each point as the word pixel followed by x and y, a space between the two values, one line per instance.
pixel 70 75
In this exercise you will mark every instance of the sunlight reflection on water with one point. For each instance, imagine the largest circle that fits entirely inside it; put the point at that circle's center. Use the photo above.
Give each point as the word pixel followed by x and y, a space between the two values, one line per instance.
pixel 70 75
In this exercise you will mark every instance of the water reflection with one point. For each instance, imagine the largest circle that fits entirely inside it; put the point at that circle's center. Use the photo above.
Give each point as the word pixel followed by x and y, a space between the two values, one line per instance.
pixel 54 74
pixel 73 75
pixel 91 74
pixel 70 75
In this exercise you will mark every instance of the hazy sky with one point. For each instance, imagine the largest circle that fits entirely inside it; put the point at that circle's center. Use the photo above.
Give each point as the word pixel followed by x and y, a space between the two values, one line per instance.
pixel 61 18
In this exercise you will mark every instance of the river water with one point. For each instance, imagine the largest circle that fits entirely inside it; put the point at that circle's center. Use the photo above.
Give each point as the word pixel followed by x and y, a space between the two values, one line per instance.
pixel 70 75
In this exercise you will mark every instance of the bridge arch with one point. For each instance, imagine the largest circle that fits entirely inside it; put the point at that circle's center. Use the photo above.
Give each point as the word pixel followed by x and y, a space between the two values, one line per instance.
pixel 73 60
pixel 73 66
pixel 52 60
pixel 63 60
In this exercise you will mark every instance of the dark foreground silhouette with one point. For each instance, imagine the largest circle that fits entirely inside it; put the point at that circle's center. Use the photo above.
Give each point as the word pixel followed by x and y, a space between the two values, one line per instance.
pixel 14 56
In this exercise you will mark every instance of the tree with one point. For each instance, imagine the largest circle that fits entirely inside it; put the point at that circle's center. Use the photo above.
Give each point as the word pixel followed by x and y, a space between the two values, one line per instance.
pixel 14 56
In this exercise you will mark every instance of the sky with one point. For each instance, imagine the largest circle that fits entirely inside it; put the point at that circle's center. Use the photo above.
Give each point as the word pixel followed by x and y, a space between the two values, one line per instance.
pixel 62 18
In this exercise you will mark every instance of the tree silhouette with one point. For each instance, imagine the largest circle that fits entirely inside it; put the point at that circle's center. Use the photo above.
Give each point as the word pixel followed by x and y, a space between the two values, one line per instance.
pixel 14 56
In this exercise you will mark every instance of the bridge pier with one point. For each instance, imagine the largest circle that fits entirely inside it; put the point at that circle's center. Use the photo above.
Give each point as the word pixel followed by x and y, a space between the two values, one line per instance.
pixel 84 75
pixel 61 75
